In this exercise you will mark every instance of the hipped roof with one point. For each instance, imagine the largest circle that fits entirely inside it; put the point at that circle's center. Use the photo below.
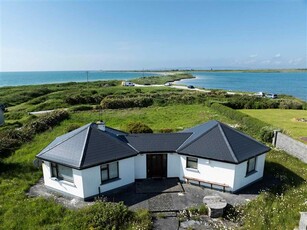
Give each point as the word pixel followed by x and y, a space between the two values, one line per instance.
pixel 89 146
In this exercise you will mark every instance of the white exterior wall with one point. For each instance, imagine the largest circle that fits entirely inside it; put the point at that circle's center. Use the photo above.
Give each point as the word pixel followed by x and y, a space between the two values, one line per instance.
pixel 173 165
pixel 241 179
pixel 209 170
pixel 126 175
pixel 74 188
pixel 140 166
pixel 91 181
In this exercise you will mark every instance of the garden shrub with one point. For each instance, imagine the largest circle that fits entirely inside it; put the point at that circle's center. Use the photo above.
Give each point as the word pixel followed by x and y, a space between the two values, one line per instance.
pixel 267 134
pixel 138 127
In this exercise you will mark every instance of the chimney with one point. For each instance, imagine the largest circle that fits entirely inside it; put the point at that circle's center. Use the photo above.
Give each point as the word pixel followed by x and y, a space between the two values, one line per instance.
pixel 101 125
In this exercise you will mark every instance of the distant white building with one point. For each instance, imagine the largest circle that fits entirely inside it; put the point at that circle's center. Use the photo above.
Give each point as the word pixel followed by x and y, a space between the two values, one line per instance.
pixel 95 159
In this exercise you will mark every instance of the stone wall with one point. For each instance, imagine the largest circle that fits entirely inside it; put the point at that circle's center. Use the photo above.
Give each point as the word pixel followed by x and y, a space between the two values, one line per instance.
pixel 291 146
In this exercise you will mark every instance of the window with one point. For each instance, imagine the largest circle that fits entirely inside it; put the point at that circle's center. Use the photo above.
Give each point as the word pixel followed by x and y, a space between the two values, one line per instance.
pixel 61 172
pixel 192 162
pixel 251 166
pixel 109 171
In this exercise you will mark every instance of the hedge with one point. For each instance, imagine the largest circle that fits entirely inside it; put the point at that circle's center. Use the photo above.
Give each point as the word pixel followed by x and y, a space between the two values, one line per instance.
pixel 121 103
pixel 138 127
pixel 11 139
pixel 253 126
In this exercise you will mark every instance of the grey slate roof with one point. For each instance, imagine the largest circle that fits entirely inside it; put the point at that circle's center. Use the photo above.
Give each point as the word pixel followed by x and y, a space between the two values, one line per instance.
pixel 217 141
pixel 157 142
pixel 85 147
pixel 88 146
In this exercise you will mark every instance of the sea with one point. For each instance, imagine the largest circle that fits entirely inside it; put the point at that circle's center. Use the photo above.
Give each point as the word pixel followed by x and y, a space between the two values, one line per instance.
pixel 291 83
pixel 49 77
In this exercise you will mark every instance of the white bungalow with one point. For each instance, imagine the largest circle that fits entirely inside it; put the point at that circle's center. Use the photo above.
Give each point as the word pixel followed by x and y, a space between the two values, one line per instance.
pixel 96 159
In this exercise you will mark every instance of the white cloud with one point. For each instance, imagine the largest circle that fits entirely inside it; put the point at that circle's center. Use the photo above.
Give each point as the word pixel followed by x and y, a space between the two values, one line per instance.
pixel 253 55
pixel 277 55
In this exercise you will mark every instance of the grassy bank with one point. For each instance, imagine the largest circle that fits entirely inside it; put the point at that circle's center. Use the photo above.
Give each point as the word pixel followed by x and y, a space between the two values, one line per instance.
pixel 158 80
pixel 289 120
pixel 280 207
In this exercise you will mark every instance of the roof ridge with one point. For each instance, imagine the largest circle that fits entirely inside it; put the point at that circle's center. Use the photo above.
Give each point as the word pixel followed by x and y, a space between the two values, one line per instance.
pixel 117 138
pixel 81 161
pixel 81 130
pixel 116 130
pixel 188 144
pixel 227 143
pixel 243 134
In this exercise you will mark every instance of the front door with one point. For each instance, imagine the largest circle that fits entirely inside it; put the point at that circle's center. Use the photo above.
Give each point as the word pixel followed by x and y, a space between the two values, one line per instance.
pixel 156 165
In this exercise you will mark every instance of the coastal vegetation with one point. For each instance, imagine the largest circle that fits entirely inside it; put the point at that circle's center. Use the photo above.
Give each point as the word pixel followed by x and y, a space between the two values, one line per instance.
pixel 165 110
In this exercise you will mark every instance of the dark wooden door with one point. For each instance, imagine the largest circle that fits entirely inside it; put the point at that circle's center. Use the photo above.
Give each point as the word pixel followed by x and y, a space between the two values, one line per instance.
pixel 156 165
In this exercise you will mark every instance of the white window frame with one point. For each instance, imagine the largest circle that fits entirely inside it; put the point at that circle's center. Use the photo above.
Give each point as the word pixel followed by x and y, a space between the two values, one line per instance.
pixel 56 172
pixel 110 177
pixel 194 160
pixel 251 166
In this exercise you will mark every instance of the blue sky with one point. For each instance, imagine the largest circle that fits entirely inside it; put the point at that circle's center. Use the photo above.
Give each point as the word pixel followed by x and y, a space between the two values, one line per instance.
pixel 94 35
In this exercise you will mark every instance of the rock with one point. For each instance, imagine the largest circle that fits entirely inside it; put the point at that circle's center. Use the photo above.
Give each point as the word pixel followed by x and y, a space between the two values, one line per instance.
pixel 189 224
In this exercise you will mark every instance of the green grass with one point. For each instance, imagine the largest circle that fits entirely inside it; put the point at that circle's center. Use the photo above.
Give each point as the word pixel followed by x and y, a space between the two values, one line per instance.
pixel 282 118
pixel 279 208
pixel 162 80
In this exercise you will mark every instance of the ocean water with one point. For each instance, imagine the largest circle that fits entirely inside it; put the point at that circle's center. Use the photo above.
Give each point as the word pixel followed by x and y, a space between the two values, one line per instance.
pixel 48 77
pixel 294 84
pixel 279 83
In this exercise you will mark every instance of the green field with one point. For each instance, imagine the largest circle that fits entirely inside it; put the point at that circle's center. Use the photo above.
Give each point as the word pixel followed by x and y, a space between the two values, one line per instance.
pixel 283 119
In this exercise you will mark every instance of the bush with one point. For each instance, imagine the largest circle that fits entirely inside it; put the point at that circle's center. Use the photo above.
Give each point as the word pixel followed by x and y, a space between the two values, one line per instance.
pixel 47 121
pixel 203 209
pixel 81 108
pixel 267 134
pixel 138 127
pixel 290 104
pixel 166 130
pixel 121 103
pixel 11 139
pixel 78 99
pixel 107 215
pixel 102 215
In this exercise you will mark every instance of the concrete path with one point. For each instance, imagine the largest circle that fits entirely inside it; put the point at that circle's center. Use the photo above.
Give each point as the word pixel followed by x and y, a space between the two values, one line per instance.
pixel 45 111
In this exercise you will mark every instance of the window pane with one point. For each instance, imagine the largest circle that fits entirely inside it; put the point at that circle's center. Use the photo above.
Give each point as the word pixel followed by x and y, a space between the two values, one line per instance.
pixel 113 172
pixel 65 173
pixel 252 164
pixel 53 170
pixel 104 174
pixel 192 163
